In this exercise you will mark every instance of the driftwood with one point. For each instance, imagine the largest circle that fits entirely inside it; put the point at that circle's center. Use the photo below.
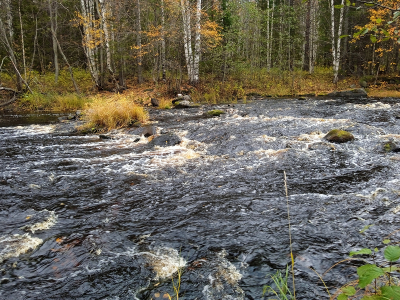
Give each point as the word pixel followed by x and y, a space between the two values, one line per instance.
pixel 12 99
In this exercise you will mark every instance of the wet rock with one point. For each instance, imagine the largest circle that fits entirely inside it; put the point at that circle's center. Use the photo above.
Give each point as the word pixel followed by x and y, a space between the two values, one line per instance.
pixel 149 131
pixel 215 113
pixel 105 137
pixel 183 104
pixel 339 136
pixel 391 147
pixel 321 146
pixel 71 117
pixel 166 140
pixel 155 102
pixel 349 93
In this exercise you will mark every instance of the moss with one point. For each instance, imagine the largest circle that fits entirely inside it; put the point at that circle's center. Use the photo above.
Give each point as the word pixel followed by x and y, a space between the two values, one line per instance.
pixel 215 113
pixel 339 136
pixel 389 147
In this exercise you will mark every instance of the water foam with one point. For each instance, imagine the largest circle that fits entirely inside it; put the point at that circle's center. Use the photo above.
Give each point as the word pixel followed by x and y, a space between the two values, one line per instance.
pixel 47 220
pixel 164 261
pixel 224 280
pixel 15 245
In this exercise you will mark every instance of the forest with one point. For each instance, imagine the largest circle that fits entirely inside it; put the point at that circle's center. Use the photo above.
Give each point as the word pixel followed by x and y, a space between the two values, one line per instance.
pixel 276 47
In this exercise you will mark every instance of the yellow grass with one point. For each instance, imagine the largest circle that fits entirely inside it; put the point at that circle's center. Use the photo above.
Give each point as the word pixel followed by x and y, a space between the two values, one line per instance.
pixel 383 93
pixel 113 112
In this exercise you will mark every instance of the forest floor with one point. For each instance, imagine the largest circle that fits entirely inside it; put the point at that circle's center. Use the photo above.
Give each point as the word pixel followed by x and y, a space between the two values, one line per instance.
pixel 240 86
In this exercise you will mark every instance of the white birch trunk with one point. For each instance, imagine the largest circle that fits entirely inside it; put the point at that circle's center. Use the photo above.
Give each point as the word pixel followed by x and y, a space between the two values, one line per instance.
pixel 336 38
pixel 313 35
pixel 89 44
pixel 105 12
pixel 197 45
pixel 187 36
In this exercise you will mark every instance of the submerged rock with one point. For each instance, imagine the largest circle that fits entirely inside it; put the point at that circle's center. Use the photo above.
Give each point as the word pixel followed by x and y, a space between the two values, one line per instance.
pixel 391 147
pixel 215 113
pixel 149 131
pixel 321 146
pixel 349 93
pixel 183 104
pixel 339 136
pixel 166 140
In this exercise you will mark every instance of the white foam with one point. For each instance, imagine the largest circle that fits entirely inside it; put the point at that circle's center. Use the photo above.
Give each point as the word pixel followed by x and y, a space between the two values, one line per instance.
pixel 15 245
pixel 164 261
pixel 47 223
pixel 372 106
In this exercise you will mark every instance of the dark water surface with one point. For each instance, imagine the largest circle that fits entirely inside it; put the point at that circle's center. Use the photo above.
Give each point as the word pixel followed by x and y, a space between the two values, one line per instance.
pixel 85 218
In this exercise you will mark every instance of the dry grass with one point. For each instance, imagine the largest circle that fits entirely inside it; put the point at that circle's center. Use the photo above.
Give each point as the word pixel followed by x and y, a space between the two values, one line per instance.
pixel 379 93
pixel 165 103
pixel 116 111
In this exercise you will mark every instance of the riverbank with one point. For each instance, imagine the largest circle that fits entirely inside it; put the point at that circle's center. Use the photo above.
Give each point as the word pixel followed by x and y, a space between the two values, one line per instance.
pixel 241 87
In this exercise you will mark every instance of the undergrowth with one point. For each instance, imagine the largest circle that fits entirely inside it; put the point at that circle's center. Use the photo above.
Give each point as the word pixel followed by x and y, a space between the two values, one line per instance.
pixel 52 101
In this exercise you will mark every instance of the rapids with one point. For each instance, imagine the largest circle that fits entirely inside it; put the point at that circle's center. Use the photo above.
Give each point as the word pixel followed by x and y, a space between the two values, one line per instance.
pixel 89 218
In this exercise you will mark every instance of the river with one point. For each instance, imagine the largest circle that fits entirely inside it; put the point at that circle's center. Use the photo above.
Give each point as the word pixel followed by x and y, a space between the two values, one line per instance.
pixel 89 218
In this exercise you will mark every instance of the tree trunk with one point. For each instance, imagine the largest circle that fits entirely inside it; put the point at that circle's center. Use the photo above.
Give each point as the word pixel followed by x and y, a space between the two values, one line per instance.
pixel 66 61
pixel 336 38
pixel 163 69
pixel 53 26
pixel 6 37
pixel 22 40
pixel 89 43
pixel 105 12
pixel 197 45
pixel 187 36
pixel 139 42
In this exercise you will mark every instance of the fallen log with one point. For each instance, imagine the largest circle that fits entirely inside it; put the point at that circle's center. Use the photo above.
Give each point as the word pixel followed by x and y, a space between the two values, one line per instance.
pixel 14 97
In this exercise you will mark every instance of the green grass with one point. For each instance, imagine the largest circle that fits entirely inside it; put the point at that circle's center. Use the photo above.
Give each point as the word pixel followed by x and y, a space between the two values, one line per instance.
pixel 52 101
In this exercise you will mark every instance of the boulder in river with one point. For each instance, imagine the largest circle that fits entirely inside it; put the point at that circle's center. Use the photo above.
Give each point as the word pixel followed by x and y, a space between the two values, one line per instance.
pixel 166 140
pixel 391 147
pixel 149 131
pixel 215 113
pixel 349 93
pixel 183 103
pixel 321 146
pixel 155 102
pixel 339 136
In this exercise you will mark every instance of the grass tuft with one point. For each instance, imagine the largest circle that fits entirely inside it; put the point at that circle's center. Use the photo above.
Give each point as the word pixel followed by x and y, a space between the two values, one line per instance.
pixel 116 111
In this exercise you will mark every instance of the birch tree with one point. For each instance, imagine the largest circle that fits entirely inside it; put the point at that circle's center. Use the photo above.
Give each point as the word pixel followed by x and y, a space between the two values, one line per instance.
pixel 192 56
pixel 336 32
pixel 90 44
pixel 105 15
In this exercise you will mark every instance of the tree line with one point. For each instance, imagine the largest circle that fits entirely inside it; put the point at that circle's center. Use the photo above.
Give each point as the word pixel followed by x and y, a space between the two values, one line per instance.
pixel 161 40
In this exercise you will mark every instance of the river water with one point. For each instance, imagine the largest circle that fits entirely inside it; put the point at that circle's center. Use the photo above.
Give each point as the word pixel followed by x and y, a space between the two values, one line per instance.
pixel 89 218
